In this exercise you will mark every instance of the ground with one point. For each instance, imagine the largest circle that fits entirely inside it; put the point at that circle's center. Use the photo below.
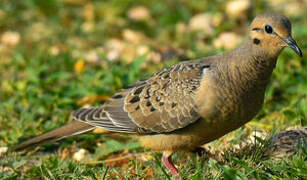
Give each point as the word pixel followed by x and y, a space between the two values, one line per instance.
pixel 59 55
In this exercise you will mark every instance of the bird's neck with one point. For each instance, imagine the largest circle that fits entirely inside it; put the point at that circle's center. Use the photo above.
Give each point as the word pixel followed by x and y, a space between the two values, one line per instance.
pixel 241 77
pixel 252 63
pixel 246 67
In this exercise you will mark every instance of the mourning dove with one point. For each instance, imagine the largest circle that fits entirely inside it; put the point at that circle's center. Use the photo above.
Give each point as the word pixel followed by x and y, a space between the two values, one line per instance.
pixel 287 143
pixel 193 102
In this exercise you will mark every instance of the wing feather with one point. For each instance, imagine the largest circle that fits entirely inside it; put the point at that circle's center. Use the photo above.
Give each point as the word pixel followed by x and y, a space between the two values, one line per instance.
pixel 162 103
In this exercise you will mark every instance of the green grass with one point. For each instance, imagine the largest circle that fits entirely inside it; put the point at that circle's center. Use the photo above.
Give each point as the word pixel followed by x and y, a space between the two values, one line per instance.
pixel 40 88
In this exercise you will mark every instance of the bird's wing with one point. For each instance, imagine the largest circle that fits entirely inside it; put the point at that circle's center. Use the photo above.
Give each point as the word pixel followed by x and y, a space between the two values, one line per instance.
pixel 162 103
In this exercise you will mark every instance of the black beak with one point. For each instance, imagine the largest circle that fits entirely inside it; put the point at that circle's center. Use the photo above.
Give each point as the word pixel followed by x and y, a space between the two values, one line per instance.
pixel 292 44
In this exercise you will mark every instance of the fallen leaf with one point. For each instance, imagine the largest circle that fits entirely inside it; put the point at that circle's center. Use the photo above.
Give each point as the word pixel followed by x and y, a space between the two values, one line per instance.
pixel 139 13
pixel 92 57
pixel 118 161
pixel 237 8
pixel 88 12
pixel 64 153
pixel 10 38
pixel 132 36
pixel 115 176
pixel 80 155
pixel 91 99
pixel 79 66
pixel 201 22
pixel 227 40
pixel 3 150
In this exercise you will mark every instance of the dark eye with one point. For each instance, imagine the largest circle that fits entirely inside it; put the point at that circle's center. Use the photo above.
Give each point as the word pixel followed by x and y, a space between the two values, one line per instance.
pixel 268 29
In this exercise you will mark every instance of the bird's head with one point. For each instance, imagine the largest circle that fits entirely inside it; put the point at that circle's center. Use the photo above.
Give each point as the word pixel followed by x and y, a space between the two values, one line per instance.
pixel 271 33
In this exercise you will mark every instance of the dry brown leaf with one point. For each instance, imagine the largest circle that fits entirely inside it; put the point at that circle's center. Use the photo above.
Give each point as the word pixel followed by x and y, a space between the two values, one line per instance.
pixel 92 57
pixel 64 153
pixel 149 173
pixel 201 22
pixel 88 12
pixel 115 176
pixel 139 13
pixel 237 8
pixel 80 155
pixel 3 150
pixel 119 160
pixel 227 40
pixel 10 38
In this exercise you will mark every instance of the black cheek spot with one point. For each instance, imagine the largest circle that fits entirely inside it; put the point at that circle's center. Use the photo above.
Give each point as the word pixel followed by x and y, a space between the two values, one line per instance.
pixel 135 99
pixel 256 41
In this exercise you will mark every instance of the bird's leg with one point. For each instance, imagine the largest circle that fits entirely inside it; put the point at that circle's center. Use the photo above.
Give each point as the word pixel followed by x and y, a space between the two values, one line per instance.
pixel 203 153
pixel 168 163
pixel 200 151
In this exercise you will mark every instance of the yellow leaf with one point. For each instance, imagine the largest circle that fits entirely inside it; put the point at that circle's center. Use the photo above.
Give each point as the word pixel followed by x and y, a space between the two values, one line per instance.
pixel 91 99
pixel 260 125
pixel 79 66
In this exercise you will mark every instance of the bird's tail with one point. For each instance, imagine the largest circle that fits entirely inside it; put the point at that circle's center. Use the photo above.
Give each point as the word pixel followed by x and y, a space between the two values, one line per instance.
pixel 71 129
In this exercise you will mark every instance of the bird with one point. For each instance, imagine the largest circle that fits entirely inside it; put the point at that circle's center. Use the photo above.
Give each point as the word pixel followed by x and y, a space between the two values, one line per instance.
pixel 286 143
pixel 193 102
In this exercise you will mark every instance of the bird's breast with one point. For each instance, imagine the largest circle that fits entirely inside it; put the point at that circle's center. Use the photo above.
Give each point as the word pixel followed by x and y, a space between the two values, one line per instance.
pixel 226 104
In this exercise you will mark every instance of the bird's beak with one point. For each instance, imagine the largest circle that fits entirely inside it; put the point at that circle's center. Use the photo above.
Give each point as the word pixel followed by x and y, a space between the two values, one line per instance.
pixel 292 44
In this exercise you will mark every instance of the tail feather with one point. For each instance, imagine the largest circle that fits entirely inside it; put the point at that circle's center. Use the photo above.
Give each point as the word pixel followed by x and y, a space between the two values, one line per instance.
pixel 71 129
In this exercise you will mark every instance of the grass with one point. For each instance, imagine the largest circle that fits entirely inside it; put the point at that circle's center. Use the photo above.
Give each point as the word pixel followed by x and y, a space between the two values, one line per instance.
pixel 60 64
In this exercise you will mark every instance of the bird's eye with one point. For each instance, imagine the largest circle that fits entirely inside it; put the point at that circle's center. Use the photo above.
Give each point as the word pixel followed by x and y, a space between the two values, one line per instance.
pixel 268 29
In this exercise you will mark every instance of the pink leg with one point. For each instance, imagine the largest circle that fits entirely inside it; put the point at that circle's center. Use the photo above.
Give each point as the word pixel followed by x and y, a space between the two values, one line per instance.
pixel 168 163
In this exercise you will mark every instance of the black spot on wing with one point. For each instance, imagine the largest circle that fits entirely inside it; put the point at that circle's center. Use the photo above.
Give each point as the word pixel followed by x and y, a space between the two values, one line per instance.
pixel 117 96
pixel 152 109
pixel 147 96
pixel 138 90
pixel 166 76
pixel 135 99
pixel 148 103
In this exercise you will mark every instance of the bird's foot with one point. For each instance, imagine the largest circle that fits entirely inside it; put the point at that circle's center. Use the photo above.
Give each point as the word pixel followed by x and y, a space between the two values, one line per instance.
pixel 168 163
pixel 201 152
